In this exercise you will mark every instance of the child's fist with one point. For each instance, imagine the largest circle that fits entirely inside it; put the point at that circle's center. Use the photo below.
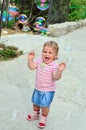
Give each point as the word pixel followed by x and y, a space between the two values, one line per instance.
pixel 62 66
pixel 31 55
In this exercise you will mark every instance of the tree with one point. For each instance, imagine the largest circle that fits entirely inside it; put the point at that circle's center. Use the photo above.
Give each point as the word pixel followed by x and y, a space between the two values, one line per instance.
pixel 58 11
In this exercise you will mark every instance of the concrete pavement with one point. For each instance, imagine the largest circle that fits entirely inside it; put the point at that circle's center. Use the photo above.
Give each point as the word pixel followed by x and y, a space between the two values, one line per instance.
pixel 68 109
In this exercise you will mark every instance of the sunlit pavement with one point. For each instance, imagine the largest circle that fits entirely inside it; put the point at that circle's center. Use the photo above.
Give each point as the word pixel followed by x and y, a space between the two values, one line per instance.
pixel 68 109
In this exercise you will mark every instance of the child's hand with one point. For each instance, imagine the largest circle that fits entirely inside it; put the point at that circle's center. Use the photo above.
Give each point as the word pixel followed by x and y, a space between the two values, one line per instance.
pixel 31 55
pixel 62 66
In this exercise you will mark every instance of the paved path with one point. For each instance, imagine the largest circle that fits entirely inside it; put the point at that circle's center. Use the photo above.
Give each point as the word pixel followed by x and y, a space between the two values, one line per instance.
pixel 68 110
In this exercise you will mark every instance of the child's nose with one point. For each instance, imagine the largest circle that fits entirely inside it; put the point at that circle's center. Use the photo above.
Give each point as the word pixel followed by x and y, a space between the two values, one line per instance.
pixel 47 53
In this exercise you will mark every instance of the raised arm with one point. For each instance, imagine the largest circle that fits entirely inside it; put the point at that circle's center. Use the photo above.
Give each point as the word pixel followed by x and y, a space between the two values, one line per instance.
pixel 31 63
pixel 58 74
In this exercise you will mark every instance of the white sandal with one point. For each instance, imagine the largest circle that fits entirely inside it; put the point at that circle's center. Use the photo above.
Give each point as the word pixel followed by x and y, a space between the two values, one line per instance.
pixel 42 122
pixel 33 116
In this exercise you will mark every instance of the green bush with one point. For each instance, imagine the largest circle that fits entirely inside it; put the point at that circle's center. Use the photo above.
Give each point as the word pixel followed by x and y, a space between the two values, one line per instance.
pixel 77 10
pixel 9 52
pixel 10 24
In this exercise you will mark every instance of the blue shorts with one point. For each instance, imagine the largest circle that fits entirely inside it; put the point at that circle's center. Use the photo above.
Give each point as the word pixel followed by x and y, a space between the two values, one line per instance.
pixel 42 99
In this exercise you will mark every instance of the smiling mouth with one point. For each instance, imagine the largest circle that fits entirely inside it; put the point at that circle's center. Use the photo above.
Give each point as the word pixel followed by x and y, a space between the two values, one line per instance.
pixel 47 58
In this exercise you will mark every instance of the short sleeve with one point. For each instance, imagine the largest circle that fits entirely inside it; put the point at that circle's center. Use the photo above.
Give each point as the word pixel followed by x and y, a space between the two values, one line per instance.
pixel 37 61
pixel 55 67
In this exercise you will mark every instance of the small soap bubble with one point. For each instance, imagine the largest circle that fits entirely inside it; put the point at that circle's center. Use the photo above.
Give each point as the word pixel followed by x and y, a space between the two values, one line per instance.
pixel 15 114
pixel 68 48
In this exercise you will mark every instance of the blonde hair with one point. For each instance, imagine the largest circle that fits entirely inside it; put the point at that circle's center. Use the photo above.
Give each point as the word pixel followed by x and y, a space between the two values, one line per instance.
pixel 52 44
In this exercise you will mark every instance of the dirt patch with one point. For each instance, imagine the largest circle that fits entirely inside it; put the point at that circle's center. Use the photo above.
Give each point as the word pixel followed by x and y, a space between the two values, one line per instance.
pixel 10 31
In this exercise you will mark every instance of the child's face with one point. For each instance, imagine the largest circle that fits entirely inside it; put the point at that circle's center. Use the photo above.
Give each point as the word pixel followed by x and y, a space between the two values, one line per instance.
pixel 48 54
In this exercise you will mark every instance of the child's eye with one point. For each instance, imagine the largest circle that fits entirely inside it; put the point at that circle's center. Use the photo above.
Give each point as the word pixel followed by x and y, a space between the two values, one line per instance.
pixel 50 52
pixel 44 51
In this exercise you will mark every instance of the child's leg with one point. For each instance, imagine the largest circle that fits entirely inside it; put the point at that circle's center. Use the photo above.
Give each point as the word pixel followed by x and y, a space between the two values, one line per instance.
pixel 35 114
pixel 43 119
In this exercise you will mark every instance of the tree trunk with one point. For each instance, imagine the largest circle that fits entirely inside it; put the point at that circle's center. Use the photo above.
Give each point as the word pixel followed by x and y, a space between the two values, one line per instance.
pixel 2 7
pixel 58 11
pixel 7 15
pixel 22 8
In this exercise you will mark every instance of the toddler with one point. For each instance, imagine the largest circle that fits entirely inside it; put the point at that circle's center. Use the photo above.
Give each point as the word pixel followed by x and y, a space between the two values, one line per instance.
pixel 47 73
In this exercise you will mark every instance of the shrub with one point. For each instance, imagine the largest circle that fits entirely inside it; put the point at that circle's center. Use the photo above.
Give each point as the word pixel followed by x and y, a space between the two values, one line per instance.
pixel 9 52
pixel 77 10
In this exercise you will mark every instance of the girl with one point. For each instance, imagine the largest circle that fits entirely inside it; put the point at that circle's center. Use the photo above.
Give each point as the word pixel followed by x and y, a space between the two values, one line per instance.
pixel 48 72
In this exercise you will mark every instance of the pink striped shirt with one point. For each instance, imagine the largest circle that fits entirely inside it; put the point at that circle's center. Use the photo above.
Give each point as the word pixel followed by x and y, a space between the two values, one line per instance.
pixel 44 80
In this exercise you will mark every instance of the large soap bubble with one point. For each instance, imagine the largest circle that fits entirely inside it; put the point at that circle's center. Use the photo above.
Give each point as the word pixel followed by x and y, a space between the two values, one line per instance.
pixel 23 18
pixel 39 22
pixel 43 4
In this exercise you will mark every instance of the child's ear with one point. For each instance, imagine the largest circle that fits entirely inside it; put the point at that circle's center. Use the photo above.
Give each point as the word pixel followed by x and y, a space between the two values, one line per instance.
pixel 56 57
